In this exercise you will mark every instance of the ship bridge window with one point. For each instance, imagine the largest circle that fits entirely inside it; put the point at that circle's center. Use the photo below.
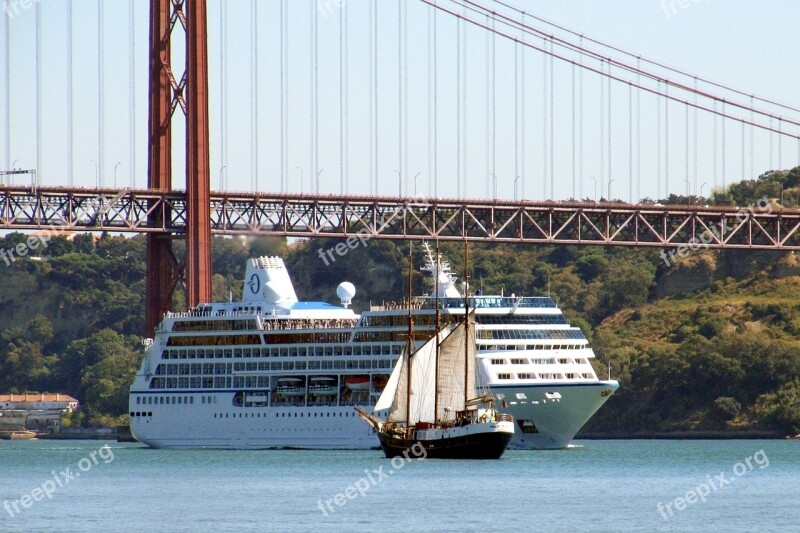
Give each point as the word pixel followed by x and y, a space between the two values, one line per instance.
pixel 505 376
pixel 565 361
pixel 348 350
pixel 498 361
pixel 519 361
pixel 337 350
pixel 526 375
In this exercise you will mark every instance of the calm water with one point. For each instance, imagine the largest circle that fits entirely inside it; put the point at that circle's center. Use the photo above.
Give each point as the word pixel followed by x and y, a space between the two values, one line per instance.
pixel 596 486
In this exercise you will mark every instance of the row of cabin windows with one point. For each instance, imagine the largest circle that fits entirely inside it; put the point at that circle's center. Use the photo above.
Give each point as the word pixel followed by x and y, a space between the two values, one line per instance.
pixel 524 361
pixel 540 334
pixel 528 347
pixel 285 415
pixel 173 400
pixel 531 375
pixel 294 351
pixel 223 369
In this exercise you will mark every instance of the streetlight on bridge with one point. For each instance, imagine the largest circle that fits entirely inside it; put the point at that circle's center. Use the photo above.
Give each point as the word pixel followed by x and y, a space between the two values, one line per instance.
pixel 595 187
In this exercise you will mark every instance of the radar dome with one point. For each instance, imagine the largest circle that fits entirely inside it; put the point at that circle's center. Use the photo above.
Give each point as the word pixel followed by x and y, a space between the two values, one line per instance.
pixel 346 291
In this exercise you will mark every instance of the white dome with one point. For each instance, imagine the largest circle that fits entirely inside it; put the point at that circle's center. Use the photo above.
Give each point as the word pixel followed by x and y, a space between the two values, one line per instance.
pixel 346 291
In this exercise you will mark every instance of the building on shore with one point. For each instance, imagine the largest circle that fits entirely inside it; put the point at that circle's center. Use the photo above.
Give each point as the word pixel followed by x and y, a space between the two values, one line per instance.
pixel 34 411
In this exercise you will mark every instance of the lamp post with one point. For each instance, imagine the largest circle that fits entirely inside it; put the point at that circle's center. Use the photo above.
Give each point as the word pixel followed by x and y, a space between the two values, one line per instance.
pixel 701 188
pixel 494 185
pixel 318 175
pixel 415 184
pixel 115 173
pixel 609 188
pixel 515 188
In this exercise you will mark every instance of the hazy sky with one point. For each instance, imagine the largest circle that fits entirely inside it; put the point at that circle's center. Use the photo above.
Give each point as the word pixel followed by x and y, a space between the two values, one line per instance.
pixel 749 45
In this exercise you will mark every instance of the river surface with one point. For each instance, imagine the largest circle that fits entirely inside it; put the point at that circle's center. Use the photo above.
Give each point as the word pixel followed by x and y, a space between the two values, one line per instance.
pixel 637 485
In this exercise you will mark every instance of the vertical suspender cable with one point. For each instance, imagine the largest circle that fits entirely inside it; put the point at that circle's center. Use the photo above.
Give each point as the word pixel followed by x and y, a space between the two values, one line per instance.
pixel 494 109
pixel 223 112
pixel 630 143
pixel 312 49
pixel 744 176
pixel 132 91
pixel 405 94
pixel 435 176
pixel 488 180
pixel 401 170
pixel 752 142
pixel 574 177
pixel 609 132
pixel 658 142
pixel 780 143
pixel 100 90
pixel 313 149
pixel 638 134
pixel 342 99
pixel 686 150
pixel 544 121
pixel 284 66
pixel 716 118
pixel 39 129
pixel 524 117
pixel 580 121
pixel 552 125
pixel 254 95
pixel 694 134
pixel 372 133
pixel 431 14
pixel 459 97
pixel 666 140
pixel 771 144
pixel 724 152
pixel 70 104
pixel 602 126
pixel 463 110
pixel 516 116
pixel 7 93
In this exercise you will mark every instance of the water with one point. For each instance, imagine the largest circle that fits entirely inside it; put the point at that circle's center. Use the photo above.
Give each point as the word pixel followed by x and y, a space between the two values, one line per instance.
pixel 595 486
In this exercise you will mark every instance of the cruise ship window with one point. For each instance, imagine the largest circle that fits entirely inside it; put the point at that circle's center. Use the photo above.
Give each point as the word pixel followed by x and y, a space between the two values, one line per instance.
pixel 138 400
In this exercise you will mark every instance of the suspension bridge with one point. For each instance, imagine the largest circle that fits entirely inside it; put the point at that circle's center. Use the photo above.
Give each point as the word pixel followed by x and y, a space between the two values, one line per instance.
pixel 335 110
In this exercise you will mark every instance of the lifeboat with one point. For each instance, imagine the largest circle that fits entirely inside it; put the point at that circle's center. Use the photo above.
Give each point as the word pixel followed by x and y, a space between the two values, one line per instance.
pixel 291 386
pixel 323 385
pixel 357 383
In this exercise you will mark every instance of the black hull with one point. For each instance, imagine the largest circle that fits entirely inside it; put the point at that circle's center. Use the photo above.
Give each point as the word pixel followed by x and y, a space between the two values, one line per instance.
pixel 475 446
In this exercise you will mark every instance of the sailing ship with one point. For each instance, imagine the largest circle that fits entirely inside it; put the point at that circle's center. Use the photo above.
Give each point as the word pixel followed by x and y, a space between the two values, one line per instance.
pixel 434 401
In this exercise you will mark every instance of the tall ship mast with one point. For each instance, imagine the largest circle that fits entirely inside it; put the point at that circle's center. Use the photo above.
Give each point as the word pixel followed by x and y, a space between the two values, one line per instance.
pixel 271 371
pixel 469 427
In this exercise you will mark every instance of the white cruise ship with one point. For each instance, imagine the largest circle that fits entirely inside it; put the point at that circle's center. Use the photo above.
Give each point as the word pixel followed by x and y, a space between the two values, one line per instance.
pixel 273 372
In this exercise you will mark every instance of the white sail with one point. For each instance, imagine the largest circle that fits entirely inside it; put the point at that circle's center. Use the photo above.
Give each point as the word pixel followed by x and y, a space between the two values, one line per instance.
pixel 387 396
pixel 423 385
pixel 452 353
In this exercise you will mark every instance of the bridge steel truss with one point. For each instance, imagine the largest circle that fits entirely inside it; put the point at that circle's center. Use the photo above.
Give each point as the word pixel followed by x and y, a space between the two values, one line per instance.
pixel 760 227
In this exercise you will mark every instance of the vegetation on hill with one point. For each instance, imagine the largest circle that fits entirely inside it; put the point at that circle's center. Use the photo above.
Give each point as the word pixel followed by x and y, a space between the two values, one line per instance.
pixel 709 344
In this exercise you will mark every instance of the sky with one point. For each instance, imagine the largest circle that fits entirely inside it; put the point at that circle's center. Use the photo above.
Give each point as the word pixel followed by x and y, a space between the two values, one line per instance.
pixel 515 140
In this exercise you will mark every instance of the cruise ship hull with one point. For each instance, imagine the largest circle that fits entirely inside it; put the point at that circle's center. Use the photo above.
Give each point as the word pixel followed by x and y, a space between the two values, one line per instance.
pixel 548 417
